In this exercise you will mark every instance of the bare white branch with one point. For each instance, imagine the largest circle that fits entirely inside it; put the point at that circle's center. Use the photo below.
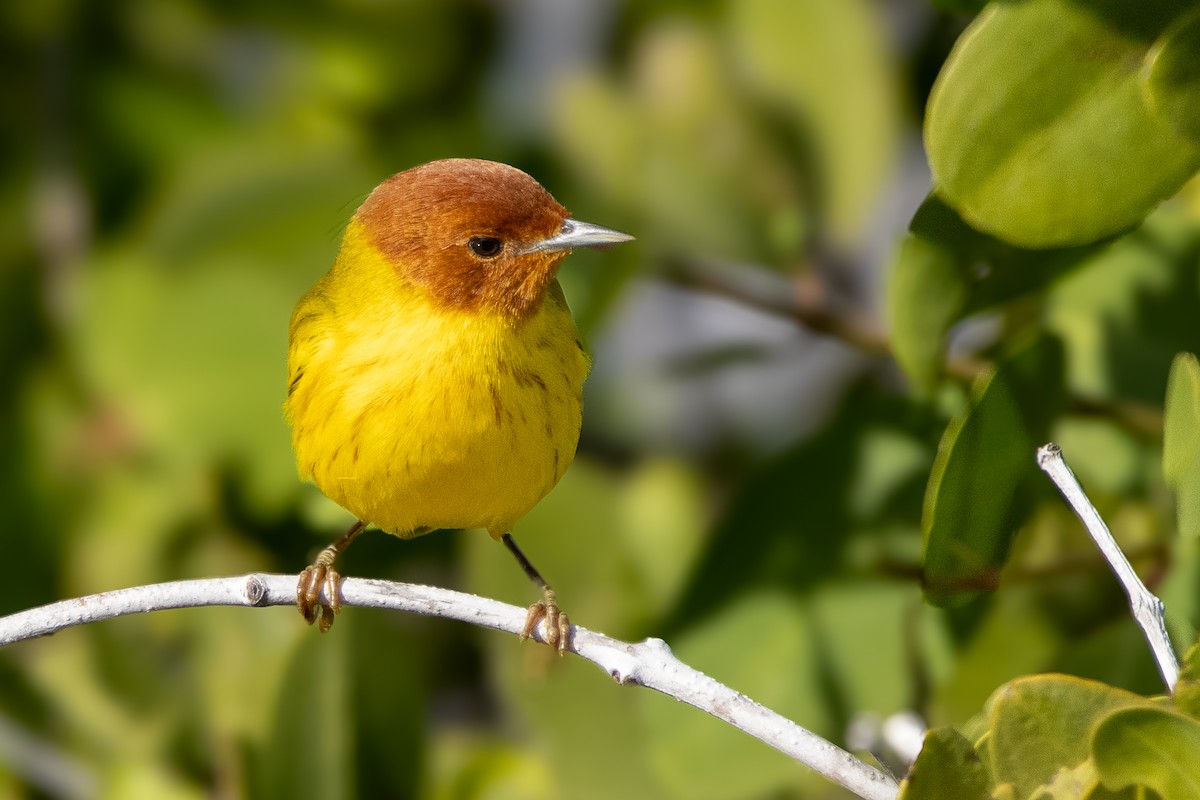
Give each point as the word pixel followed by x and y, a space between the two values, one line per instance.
pixel 649 663
pixel 1146 607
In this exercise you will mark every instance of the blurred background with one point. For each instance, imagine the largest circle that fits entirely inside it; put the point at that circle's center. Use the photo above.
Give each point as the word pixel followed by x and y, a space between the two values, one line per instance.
pixel 749 485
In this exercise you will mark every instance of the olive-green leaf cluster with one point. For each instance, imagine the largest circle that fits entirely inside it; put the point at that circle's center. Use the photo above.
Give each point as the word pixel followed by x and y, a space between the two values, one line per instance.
pixel 1059 737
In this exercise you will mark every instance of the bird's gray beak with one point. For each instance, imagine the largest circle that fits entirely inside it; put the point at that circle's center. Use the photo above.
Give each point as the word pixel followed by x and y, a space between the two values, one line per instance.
pixel 578 234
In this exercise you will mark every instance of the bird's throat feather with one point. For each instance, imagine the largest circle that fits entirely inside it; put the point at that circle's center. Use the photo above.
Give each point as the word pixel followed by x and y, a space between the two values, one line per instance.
pixel 428 416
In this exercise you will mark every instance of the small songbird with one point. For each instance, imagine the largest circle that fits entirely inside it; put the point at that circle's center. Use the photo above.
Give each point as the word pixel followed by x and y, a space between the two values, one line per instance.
pixel 435 373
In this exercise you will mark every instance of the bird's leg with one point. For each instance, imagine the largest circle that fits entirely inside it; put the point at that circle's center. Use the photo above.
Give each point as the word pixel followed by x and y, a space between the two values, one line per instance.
pixel 321 571
pixel 558 625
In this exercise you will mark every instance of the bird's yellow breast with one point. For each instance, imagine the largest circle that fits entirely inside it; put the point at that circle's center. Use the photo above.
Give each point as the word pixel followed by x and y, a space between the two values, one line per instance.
pixel 414 416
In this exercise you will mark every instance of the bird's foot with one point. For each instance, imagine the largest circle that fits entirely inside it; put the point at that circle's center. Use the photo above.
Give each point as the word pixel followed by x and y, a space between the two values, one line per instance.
pixel 308 595
pixel 558 625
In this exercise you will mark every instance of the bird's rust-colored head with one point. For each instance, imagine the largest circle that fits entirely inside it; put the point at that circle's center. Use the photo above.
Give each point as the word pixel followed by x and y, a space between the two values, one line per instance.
pixel 475 235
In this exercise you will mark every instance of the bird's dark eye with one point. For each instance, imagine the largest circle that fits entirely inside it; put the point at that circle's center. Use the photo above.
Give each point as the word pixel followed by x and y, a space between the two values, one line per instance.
pixel 485 246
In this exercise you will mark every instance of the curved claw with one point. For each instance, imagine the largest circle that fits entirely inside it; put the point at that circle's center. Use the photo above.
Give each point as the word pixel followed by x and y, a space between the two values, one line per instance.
pixel 558 624
pixel 308 595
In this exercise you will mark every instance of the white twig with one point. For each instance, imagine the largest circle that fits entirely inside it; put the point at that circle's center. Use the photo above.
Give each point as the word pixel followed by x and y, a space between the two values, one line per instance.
pixel 649 663
pixel 1147 609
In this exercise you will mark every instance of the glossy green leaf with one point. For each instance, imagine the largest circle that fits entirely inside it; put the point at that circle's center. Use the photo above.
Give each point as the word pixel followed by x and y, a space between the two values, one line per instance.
pixel 996 271
pixel 946 270
pixel 1151 747
pixel 1040 725
pixel 1181 441
pixel 1172 77
pixel 927 293
pixel 947 769
pixel 984 456
pixel 1036 128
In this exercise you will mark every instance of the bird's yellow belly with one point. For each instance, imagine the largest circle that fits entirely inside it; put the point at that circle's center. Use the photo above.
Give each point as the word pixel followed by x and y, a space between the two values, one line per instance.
pixel 472 434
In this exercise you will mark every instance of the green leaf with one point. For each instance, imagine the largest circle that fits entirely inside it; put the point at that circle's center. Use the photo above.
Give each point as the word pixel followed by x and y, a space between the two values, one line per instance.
pixel 1125 314
pixel 984 456
pixel 661 510
pixel 1187 690
pixel 1069 783
pixel 1172 77
pixel 926 296
pixel 1149 746
pixel 840 613
pixel 764 537
pixel 218 324
pixel 947 769
pixel 1078 783
pixel 1181 440
pixel 1036 128
pixel 996 270
pixel 946 270
pixel 1039 725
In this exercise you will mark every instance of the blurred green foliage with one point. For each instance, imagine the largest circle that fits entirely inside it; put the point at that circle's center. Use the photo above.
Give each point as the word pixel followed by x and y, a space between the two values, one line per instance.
pixel 177 173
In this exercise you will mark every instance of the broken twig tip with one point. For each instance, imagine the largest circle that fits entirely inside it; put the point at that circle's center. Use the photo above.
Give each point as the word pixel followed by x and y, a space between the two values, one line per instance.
pixel 1048 452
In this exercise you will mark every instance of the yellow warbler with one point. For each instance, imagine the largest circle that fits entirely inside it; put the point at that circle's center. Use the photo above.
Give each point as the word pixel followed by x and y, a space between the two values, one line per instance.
pixel 435 373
